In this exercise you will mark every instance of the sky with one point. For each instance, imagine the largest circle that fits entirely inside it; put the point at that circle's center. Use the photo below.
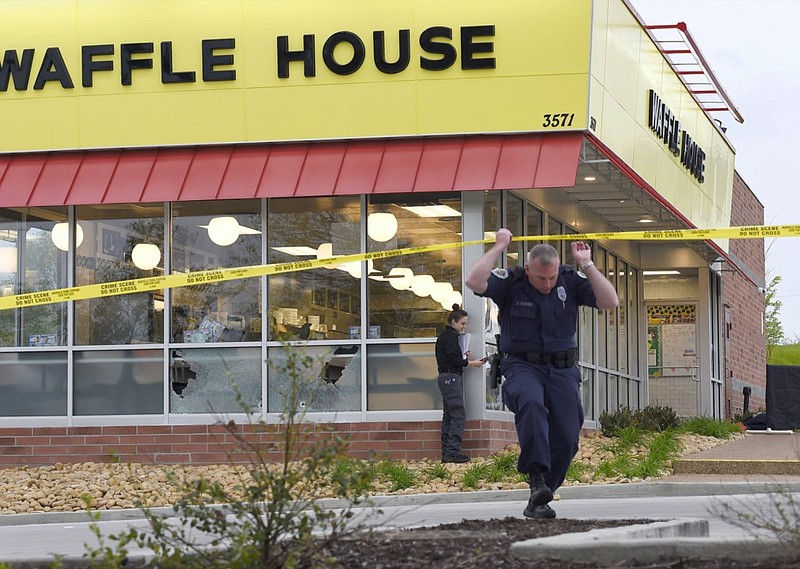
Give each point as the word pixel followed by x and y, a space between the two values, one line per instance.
pixel 752 46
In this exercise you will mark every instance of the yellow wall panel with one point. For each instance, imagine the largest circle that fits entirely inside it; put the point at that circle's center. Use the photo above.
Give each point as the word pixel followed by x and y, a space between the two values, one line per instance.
pixel 541 52
pixel 111 122
pixel 56 119
pixel 626 71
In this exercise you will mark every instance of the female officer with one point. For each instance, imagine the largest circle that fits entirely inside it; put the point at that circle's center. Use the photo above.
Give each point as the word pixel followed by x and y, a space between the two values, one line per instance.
pixel 451 361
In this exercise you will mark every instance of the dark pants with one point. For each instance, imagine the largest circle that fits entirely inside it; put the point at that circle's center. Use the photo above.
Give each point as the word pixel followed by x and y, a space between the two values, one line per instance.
pixel 548 414
pixel 454 416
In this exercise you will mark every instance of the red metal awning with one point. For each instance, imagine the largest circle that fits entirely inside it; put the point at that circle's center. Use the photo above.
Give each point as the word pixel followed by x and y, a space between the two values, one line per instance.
pixel 285 170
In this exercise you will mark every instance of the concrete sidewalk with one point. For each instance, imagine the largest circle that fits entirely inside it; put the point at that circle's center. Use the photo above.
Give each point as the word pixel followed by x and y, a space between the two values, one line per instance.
pixel 771 453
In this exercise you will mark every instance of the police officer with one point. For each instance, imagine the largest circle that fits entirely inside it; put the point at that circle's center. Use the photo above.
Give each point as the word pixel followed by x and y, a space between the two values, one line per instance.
pixel 451 361
pixel 538 314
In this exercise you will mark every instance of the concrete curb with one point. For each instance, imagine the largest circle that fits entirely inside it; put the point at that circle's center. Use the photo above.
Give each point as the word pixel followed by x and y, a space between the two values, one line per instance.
pixel 647 543
pixel 736 466
pixel 584 492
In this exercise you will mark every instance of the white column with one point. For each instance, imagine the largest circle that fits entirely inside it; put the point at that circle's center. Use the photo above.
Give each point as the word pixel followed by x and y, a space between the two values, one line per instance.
pixel 474 382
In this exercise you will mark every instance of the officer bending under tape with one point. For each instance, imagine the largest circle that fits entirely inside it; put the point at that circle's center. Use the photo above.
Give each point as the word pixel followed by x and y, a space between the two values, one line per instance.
pixel 538 314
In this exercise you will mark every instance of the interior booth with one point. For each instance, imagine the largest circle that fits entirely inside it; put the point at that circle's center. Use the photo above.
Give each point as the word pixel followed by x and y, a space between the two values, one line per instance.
pixel 250 133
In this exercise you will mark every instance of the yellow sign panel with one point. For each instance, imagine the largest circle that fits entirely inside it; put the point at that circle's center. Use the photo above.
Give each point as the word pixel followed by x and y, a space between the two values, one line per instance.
pixel 121 73
pixel 641 110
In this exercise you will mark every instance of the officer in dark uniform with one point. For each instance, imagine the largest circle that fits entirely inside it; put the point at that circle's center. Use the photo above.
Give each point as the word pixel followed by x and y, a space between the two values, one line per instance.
pixel 538 315
pixel 451 361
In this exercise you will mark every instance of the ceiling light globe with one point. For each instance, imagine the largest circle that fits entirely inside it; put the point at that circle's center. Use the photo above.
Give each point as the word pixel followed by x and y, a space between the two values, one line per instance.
pixel 403 281
pixel 60 235
pixel 441 291
pixel 146 256
pixel 454 298
pixel 381 226
pixel 422 285
pixel 223 231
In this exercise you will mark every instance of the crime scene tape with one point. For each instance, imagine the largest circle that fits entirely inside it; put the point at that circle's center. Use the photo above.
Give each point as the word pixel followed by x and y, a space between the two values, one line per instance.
pixel 212 276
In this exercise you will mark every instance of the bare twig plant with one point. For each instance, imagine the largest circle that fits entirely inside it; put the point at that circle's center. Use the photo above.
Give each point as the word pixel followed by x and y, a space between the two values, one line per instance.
pixel 271 518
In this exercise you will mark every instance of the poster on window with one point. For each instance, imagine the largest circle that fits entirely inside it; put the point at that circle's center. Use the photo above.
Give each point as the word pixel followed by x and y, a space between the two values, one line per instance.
pixel 679 351
pixel 671 340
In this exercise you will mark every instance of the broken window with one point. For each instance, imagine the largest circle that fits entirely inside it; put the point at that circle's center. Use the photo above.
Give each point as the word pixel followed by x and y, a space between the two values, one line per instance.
pixel 210 380
pixel 330 382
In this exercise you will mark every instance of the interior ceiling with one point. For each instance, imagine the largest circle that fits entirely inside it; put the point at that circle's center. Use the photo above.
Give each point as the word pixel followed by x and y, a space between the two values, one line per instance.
pixel 613 197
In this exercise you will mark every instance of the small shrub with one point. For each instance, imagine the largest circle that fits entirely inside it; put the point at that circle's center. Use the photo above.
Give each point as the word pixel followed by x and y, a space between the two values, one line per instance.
pixel 708 427
pixel 611 422
pixel 271 518
pixel 503 466
pixel 474 474
pixel 399 475
pixel 578 470
pixel 438 470
pixel 656 418
pixel 651 418
pixel 349 475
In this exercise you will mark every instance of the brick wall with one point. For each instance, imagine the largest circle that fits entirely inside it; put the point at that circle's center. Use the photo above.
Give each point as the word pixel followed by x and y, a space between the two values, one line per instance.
pixel 745 345
pixel 216 444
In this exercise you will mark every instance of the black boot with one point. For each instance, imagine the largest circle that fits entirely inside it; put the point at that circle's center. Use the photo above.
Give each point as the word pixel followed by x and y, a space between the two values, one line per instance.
pixel 540 494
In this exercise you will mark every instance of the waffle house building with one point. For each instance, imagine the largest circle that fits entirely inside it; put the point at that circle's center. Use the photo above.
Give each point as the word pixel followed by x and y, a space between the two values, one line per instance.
pixel 155 138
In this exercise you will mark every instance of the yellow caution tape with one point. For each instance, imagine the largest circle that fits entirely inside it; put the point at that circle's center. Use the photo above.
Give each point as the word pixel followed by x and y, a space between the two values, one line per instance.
pixel 220 275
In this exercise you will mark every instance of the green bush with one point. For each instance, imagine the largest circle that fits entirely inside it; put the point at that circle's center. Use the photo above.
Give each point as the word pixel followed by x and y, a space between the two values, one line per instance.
pixel 399 475
pixel 651 418
pixel 709 427
pixel 474 475
pixel 657 419
pixel 610 423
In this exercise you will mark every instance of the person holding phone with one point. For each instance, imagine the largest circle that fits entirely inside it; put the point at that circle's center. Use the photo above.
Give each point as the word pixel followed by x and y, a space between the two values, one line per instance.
pixel 451 361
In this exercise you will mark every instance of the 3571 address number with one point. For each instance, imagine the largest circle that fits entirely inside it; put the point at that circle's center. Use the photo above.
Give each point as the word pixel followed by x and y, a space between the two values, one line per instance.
pixel 558 119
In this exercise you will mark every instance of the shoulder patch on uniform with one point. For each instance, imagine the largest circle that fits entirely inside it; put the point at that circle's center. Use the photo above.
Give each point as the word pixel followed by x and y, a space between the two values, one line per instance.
pixel 500 273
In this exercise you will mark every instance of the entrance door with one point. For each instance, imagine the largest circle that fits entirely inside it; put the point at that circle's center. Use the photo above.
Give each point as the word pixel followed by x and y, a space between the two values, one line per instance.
pixel 672 357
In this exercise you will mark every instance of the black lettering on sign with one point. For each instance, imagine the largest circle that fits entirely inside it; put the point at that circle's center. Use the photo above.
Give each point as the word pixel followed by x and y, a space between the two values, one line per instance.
pixel 19 71
pixel 167 73
pixel 445 50
pixel 435 41
pixel 212 60
pixel 403 52
pixel 306 55
pixel 89 65
pixel 53 69
pixel 128 63
pixel 470 48
pixel 667 127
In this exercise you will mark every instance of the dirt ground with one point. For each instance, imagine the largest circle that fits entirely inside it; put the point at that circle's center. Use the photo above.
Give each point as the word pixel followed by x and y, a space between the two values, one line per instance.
pixel 485 544
pixel 480 544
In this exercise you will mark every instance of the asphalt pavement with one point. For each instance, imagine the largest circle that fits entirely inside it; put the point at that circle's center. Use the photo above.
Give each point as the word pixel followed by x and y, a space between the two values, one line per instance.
pixel 702 513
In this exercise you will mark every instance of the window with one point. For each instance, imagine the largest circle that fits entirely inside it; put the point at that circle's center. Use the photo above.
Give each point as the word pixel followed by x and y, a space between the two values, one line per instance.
pixel 33 383
pixel 410 296
pixel 328 379
pixel 113 237
pixel 33 257
pixel 119 382
pixel 323 303
pixel 212 235
pixel 402 376
pixel 222 379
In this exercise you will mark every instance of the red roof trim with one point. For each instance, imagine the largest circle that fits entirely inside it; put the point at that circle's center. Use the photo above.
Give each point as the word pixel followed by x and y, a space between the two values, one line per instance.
pixel 493 162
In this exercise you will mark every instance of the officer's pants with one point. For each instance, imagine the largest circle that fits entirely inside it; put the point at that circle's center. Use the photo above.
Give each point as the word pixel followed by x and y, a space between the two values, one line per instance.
pixel 454 416
pixel 548 413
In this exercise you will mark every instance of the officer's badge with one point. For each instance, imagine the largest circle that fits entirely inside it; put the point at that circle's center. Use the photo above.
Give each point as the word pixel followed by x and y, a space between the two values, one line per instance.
pixel 562 294
pixel 500 273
